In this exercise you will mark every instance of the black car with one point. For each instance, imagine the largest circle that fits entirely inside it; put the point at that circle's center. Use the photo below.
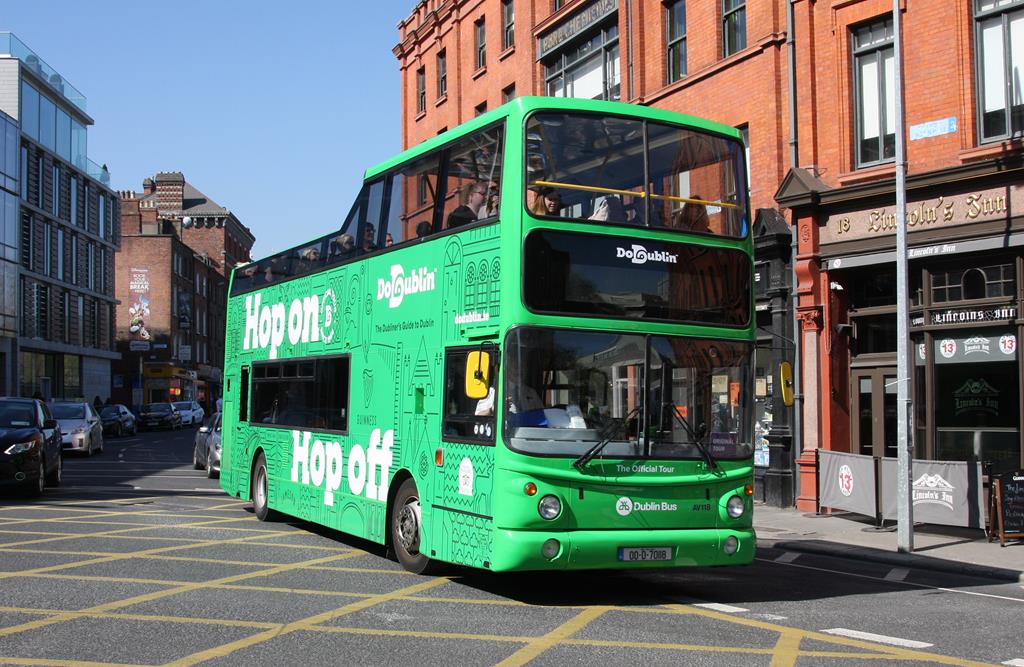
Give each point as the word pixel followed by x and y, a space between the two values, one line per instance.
pixel 118 420
pixel 159 415
pixel 30 445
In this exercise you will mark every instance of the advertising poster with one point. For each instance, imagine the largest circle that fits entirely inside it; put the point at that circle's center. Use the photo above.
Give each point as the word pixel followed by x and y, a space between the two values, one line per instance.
pixel 138 310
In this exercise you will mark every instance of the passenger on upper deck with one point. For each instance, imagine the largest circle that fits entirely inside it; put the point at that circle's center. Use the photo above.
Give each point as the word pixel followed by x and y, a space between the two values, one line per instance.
pixel 490 208
pixel 424 229
pixel 693 217
pixel 369 237
pixel 342 247
pixel 610 210
pixel 547 202
pixel 471 199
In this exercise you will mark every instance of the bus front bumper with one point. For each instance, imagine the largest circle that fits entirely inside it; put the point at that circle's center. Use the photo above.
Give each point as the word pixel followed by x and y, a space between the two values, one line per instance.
pixel 622 549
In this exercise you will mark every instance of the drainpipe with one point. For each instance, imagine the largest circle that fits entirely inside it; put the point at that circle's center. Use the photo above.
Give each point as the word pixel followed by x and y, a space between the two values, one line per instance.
pixel 629 46
pixel 798 397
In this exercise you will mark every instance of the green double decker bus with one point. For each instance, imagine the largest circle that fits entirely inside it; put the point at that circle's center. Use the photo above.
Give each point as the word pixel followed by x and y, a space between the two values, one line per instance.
pixel 529 347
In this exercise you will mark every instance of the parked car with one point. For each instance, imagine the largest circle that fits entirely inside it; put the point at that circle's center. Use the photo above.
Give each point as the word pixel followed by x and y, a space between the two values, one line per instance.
pixel 159 415
pixel 206 451
pixel 118 420
pixel 80 426
pixel 30 448
pixel 191 412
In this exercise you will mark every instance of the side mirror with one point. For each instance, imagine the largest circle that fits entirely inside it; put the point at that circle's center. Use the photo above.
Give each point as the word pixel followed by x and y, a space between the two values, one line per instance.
pixel 49 423
pixel 786 383
pixel 478 374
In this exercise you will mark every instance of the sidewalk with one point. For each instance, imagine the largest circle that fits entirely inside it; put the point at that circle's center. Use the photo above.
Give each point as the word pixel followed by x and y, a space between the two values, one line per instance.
pixel 943 548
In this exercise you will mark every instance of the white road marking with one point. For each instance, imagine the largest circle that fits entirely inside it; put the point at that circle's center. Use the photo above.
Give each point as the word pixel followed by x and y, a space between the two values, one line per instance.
pixel 724 608
pixel 788 557
pixel 768 617
pixel 1016 662
pixel 897 574
pixel 904 583
pixel 881 639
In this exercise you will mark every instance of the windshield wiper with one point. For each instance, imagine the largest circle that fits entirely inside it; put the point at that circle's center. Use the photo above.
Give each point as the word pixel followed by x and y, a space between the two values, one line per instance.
pixel 697 438
pixel 607 433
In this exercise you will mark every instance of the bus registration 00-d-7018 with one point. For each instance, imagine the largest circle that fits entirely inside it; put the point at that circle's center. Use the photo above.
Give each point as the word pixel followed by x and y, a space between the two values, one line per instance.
pixel 633 554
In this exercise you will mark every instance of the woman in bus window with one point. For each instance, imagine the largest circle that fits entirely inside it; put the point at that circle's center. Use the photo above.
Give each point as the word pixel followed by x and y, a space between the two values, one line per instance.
pixel 547 202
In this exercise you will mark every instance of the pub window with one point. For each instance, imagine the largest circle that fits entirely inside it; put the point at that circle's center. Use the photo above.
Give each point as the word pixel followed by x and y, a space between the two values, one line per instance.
pixel 508 22
pixel 999 39
pixel 675 20
pixel 302 393
pixel 465 418
pixel 874 334
pixel 421 90
pixel 986 282
pixel 870 289
pixel 734 26
pixel 874 93
pixel 481 43
pixel 442 73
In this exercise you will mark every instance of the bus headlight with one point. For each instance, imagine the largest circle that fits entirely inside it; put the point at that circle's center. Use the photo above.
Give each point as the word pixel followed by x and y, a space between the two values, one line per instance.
pixel 549 507
pixel 731 545
pixel 735 507
pixel 550 548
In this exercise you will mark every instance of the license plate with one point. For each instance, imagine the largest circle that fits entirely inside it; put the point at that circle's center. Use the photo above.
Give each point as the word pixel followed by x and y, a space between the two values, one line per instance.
pixel 639 554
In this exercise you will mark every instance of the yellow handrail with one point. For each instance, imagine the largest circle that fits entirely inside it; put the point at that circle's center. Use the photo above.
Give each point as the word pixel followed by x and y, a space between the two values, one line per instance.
pixel 688 200
pixel 588 188
pixel 630 193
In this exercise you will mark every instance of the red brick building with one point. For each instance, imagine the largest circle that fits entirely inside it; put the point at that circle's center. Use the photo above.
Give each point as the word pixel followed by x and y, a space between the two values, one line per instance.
pixel 811 85
pixel 177 248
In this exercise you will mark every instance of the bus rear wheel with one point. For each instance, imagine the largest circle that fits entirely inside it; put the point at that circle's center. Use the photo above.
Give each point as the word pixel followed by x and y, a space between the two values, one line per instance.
pixel 260 492
pixel 407 529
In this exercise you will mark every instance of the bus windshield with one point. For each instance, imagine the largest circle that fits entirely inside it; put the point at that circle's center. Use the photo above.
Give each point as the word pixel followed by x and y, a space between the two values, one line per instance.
pixel 589 167
pixel 566 390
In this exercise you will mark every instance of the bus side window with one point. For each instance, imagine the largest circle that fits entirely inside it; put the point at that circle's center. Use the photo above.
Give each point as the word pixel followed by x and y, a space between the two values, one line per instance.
pixel 473 178
pixel 412 190
pixel 370 233
pixel 243 396
pixel 469 417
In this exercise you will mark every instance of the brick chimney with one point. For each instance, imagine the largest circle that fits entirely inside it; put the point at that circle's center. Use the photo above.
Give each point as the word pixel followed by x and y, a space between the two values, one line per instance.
pixel 170 191
pixel 148 187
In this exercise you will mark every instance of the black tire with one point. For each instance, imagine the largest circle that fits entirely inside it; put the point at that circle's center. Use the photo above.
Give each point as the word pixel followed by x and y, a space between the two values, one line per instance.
pixel 100 449
pixel 34 488
pixel 260 490
pixel 196 465
pixel 54 477
pixel 210 472
pixel 405 526
pixel 88 450
pixel 120 430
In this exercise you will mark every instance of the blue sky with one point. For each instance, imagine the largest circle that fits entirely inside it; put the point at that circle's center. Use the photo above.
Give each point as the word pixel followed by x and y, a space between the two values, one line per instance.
pixel 273 109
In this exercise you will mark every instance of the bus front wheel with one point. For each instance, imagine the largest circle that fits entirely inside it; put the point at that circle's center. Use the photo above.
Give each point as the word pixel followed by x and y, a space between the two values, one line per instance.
pixel 260 494
pixel 407 529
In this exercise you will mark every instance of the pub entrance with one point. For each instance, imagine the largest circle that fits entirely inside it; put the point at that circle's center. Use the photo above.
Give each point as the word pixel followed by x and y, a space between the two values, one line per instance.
pixel 874 411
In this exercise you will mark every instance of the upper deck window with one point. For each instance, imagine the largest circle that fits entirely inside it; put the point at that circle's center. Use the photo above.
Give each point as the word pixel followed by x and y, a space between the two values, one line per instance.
pixel 590 167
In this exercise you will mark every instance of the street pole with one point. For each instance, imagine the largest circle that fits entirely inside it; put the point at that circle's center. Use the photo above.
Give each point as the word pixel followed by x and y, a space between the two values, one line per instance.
pixel 904 506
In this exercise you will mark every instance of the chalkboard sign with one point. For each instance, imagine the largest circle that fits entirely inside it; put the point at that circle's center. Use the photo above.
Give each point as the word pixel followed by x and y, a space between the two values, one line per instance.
pixel 1008 505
